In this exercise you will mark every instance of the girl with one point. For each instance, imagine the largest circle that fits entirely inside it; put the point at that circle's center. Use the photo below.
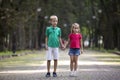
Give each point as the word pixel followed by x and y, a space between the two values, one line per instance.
pixel 76 47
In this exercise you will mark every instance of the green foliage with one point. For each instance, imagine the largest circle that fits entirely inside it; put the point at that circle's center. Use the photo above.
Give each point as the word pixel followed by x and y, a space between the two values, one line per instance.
pixel 84 31
pixel 22 17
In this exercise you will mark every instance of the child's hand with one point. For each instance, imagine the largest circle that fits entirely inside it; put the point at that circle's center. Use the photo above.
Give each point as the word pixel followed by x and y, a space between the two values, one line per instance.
pixel 63 47
pixel 46 47
pixel 81 51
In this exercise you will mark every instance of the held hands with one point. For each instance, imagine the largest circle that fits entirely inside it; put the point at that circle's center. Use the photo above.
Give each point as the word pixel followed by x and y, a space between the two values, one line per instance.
pixel 46 47
pixel 63 47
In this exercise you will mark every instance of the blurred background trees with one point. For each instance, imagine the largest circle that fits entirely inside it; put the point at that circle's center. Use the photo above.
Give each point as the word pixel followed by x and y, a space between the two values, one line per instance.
pixel 23 22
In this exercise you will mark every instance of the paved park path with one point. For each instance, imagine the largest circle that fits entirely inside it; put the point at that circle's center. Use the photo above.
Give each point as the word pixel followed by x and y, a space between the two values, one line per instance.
pixel 93 65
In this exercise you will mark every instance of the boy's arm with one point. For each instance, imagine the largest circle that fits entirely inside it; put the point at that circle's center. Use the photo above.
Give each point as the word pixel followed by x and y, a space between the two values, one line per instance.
pixel 61 42
pixel 46 43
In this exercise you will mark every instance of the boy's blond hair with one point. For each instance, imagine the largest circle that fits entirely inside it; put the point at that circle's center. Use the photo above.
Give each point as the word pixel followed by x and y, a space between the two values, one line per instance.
pixel 53 17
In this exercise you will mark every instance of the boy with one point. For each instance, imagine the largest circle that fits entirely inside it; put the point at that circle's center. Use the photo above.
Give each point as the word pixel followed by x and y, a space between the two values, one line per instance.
pixel 52 41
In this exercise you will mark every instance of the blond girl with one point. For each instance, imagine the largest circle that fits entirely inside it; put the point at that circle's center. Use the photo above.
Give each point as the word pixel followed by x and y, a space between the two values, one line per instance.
pixel 76 47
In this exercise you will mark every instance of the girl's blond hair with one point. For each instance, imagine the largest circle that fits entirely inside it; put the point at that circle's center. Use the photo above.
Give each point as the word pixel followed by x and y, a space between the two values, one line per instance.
pixel 75 25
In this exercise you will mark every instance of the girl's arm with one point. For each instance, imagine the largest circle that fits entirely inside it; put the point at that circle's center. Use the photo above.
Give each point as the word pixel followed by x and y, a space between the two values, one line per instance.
pixel 81 46
pixel 67 42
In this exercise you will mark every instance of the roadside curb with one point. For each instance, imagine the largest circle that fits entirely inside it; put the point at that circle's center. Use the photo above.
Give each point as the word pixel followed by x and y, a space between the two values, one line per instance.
pixel 117 52
pixel 14 55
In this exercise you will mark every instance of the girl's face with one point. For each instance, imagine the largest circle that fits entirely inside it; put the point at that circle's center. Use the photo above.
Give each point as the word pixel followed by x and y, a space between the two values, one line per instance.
pixel 54 22
pixel 75 29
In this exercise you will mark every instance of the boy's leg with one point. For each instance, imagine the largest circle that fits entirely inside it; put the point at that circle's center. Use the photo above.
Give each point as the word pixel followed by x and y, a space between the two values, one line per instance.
pixel 49 57
pixel 55 67
pixel 55 64
pixel 48 68
pixel 56 56
pixel 48 65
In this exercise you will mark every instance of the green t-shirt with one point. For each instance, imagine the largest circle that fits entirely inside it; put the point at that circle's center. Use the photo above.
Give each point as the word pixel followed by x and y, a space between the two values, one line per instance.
pixel 53 34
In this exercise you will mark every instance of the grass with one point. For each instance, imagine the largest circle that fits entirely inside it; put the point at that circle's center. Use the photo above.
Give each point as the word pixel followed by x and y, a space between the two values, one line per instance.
pixel 33 59
pixel 10 52
pixel 5 53
pixel 104 50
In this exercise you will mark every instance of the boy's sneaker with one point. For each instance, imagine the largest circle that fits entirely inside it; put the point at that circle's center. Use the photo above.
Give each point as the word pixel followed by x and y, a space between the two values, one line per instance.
pixel 48 74
pixel 54 74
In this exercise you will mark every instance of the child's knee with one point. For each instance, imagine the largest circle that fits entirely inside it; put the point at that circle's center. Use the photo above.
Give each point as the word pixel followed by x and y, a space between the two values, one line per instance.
pixel 48 60
pixel 55 59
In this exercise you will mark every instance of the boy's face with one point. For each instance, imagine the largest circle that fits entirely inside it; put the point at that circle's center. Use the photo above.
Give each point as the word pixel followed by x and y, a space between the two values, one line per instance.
pixel 54 22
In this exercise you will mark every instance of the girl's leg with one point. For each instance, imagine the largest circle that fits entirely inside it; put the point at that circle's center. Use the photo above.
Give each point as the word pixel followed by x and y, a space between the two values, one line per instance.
pixel 75 62
pixel 71 63
pixel 75 65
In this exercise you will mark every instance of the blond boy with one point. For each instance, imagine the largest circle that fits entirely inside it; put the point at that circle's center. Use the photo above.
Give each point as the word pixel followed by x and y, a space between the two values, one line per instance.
pixel 53 41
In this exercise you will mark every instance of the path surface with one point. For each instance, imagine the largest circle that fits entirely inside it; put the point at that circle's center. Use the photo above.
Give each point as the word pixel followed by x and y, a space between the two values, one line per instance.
pixel 92 66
